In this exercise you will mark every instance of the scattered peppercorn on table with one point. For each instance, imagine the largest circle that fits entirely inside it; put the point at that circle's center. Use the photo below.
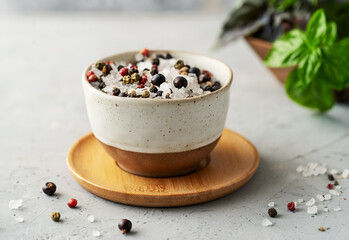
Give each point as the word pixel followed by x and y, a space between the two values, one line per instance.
pixel 43 113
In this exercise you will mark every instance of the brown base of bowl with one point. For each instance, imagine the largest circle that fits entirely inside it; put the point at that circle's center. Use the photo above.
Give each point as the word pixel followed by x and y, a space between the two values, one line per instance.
pixel 160 164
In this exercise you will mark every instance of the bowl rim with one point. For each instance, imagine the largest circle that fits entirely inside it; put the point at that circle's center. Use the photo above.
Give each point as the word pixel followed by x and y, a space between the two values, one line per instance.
pixel 156 100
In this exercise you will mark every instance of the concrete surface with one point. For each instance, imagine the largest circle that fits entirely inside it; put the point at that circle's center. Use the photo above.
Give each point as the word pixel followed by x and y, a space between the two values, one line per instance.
pixel 43 113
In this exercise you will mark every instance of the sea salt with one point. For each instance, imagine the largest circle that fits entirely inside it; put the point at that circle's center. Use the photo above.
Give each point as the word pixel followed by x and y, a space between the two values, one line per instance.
pixel 320 197
pixel 334 192
pixel 334 171
pixel 312 169
pixel 325 209
pixel 327 197
pixel 312 210
pixel 300 200
pixel 15 204
pixel 91 218
pixel 271 204
pixel 345 173
pixel 337 209
pixel 338 187
pixel 311 202
pixel 266 222
pixel 19 219
pixel 96 233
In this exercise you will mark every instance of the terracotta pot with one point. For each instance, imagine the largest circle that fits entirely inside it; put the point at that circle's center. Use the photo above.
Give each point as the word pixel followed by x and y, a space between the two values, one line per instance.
pixel 262 48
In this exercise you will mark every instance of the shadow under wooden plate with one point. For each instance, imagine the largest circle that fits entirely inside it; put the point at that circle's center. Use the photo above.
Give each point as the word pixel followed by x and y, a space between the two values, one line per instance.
pixel 232 163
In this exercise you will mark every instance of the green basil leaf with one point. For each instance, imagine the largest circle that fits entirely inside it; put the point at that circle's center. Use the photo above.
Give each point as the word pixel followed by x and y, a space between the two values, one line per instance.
pixel 315 95
pixel 334 71
pixel 309 66
pixel 331 34
pixel 287 50
pixel 316 28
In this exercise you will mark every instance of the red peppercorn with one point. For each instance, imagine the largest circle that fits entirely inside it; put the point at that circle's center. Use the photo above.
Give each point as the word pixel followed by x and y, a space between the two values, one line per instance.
pixel 144 79
pixel 155 66
pixel 140 86
pixel 204 72
pixel 291 206
pixel 145 52
pixel 330 186
pixel 89 73
pixel 123 71
pixel 134 66
pixel 92 78
pixel 107 62
pixel 72 203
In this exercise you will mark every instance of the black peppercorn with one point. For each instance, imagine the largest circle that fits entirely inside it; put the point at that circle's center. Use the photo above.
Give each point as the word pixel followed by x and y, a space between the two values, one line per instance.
pixel 132 70
pixel 160 56
pixel 187 66
pixel 154 71
pixel 195 70
pixel 215 88
pixel 330 177
pixel 156 61
pixel 180 82
pixel 216 83
pixel 207 88
pixel 116 92
pixel 272 212
pixel 168 56
pixel 120 67
pixel 125 226
pixel 123 94
pixel 153 89
pixel 159 93
pixel 106 69
pixel 49 188
pixel 101 85
pixel 158 79
pixel 206 78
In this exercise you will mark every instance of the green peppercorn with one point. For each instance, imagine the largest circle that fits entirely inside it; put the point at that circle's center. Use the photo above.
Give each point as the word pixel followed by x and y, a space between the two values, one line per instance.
pixel 321 229
pixel 336 183
pixel 184 69
pixel 126 79
pixel 106 69
pixel 272 212
pixel 208 84
pixel 184 73
pixel 55 216
pixel 168 96
pixel 99 65
pixel 179 64
pixel 135 77
pixel 145 94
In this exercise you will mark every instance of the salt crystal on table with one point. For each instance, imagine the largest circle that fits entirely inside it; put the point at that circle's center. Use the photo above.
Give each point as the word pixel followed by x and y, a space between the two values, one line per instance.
pixel 15 204
pixel 327 197
pixel 345 173
pixel 312 210
pixel 266 222
pixel 91 218
pixel 300 200
pixel 338 187
pixel 295 203
pixel 300 168
pixel 325 209
pixel 334 171
pixel 337 209
pixel 334 192
pixel 312 165
pixel 19 219
pixel 320 197
pixel 96 233
pixel 271 204
pixel 311 202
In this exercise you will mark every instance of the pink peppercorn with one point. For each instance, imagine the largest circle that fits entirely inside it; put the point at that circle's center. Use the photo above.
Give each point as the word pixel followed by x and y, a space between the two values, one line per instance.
pixel 145 52
pixel 144 79
pixel 92 78
pixel 291 206
pixel 89 73
pixel 123 71
pixel 140 86
pixel 330 186
pixel 72 203
pixel 107 62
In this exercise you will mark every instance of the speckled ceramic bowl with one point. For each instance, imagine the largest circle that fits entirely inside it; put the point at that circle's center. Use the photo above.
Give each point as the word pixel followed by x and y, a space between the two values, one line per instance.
pixel 160 137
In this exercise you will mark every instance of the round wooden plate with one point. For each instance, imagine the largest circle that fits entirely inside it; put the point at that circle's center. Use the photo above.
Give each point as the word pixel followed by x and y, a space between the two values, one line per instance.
pixel 233 162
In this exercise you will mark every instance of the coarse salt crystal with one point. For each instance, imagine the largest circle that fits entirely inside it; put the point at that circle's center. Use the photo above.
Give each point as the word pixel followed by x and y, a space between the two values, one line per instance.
pixel 300 200
pixel 19 219
pixel 334 171
pixel 320 197
pixel 271 204
pixel 345 173
pixel 325 209
pixel 266 222
pixel 338 187
pixel 334 192
pixel 327 197
pixel 15 204
pixel 91 218
pixel 311 202
pixel 300 168
pixel 295 203
pixel 312 210
pixel 96 233
pixel 337 209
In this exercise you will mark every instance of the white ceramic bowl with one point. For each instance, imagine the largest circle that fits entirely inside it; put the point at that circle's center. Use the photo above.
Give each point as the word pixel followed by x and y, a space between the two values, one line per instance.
pixel 139 127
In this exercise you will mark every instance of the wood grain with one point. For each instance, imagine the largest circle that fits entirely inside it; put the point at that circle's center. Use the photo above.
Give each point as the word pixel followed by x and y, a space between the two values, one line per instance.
pixel 233 162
